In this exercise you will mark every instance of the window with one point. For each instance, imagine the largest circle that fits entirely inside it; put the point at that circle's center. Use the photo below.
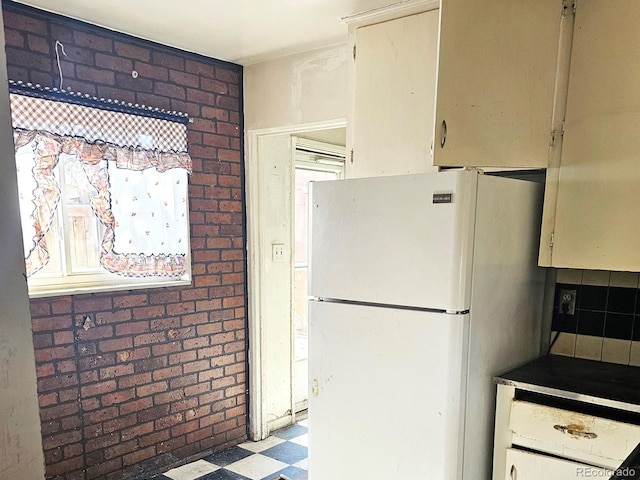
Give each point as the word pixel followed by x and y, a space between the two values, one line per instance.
pixel 103 197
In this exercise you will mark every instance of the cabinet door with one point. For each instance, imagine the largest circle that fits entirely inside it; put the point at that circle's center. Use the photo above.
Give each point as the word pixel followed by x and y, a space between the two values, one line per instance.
pixel 523 465
pixel 395 71
pixel 496 78
pixel 597 224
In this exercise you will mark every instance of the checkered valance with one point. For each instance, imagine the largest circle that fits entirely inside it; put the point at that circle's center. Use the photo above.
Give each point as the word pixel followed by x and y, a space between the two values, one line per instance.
pixel 97 125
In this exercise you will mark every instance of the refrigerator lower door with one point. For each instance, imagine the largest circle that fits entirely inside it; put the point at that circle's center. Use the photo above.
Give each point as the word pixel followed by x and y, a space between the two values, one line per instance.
pixel 387 392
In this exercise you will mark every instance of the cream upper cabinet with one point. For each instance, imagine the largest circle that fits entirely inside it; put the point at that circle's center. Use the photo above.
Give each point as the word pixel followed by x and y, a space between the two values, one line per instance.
pixel 597 211
pixel 496 80
pixel 394 89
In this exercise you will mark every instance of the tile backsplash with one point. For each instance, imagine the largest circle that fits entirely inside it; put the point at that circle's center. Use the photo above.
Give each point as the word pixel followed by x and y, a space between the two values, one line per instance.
pixel 606 322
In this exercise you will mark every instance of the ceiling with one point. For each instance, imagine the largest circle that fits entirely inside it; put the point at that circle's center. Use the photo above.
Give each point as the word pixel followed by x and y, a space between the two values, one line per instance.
pixel 239 31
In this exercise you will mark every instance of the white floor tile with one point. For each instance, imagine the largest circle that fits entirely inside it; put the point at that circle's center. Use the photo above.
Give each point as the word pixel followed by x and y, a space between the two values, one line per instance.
pixel 304 423
pixel 303 464
pixel 268 442
pixel 191 471
pixel 301 440
pixel 256 466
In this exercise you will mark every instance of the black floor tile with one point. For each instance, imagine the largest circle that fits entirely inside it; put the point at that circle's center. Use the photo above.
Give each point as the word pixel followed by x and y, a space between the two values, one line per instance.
pixel 223 474
pixel 290 432
pixel 287 452
pixel 292 473
pixel 229 456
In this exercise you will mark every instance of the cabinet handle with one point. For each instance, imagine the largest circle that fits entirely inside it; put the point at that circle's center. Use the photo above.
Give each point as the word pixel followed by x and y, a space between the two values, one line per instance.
pixel 443 133
pixel 513 474
pixel 573 431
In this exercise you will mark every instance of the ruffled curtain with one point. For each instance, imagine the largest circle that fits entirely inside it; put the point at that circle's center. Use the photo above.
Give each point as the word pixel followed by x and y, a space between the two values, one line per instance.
pixel 98 157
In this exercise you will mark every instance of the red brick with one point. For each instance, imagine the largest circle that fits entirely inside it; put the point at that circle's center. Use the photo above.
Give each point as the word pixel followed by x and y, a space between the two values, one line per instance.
pixel 132 51
pixel 131 328
pixel 115 344
pixel 131 301
pixel 138 456
pixel 151 71
pixel 51 323
pixel 116 371
pixel 136 405
pixel 165 373
pixel 117 397
pixel 134 380
pixel 90 305
pixel 155 438
pixel 150 389
pixel 57 382
pixel 149 312
pixel 212 374
pixel 138 430
pixel 100 443
pixel 97 75
pixel 169 90
pixel 182 78
pixel 98 388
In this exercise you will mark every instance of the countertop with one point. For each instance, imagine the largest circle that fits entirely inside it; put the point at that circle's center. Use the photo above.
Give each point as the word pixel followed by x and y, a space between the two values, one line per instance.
pixel 607 384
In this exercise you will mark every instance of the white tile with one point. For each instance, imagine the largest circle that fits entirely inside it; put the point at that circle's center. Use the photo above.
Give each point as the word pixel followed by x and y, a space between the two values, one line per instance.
pixel 616 351
pixel 598 278
pixel 635 354
pixel 303 464
pixel 624 279
pixel 301 440
pixel 256 466
pixel 566 275
pixel 304 423
pixel 565 345
pixel 262 444
pixel 589 347
pixel 192 470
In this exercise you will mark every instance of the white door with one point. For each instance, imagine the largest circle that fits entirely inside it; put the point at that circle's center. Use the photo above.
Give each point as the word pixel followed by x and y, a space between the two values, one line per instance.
pixel 386 389
pixel 305 172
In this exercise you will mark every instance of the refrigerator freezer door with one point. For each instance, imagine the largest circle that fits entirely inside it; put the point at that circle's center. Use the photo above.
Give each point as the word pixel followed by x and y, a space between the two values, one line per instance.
pixel 402 240
pixel 387 389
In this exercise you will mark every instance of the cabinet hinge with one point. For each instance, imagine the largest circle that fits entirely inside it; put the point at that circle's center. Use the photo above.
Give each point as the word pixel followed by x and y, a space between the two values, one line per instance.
pixel 351 156
pixel 562 131
pixel 552 142
pixel 568 7
pixel 552 238
pixel 354 52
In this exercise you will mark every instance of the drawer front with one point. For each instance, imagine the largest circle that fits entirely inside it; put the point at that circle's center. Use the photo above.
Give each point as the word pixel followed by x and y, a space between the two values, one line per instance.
pixel 587 438
pixel 532 466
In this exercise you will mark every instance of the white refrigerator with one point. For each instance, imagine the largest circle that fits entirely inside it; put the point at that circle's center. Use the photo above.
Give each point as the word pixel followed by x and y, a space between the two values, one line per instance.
pixel 423 287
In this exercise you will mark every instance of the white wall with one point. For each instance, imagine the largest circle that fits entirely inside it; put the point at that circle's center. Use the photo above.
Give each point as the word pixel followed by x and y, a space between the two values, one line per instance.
pixel 296 93
pixel 21 454
pixel 297 89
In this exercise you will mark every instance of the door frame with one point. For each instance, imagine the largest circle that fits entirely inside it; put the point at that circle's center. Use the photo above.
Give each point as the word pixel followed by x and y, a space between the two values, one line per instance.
pixel 258 426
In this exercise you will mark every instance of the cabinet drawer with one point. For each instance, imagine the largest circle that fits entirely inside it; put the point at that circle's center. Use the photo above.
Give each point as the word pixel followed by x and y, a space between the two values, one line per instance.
pixel 532 466
pixel 588 438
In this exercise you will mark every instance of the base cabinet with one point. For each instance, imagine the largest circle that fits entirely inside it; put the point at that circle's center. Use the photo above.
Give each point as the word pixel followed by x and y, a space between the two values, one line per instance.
pixel 524 465
pixel 539 440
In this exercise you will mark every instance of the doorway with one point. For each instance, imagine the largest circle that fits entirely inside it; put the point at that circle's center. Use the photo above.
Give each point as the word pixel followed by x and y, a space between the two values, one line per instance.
pixel 314 162
pixel 276 160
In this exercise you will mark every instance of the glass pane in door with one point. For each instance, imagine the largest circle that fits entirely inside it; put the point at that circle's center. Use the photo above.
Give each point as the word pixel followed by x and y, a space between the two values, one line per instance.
pixel 300 299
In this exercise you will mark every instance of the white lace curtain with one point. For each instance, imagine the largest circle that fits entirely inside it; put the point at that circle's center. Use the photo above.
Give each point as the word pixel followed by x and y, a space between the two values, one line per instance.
pixel 134 164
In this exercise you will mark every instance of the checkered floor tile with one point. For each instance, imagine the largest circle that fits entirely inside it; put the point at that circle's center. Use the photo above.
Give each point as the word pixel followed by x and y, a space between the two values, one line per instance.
pixel 281 456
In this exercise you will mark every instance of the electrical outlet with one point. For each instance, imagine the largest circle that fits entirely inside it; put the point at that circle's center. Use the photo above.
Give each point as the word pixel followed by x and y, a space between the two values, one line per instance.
pixel 567 301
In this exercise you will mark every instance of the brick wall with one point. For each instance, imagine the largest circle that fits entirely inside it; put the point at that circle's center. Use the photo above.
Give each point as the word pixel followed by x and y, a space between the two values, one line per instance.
pixel 161 376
